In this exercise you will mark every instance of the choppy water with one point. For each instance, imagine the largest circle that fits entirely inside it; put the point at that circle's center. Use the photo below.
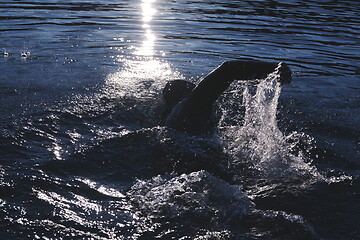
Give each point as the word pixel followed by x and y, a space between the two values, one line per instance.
pixel 81 152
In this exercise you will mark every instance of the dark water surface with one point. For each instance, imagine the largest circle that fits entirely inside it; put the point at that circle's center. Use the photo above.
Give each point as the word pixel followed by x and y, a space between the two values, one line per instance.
pixel 81 152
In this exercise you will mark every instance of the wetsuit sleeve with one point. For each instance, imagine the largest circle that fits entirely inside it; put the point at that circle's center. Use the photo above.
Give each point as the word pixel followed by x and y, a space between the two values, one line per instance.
pixel 217 81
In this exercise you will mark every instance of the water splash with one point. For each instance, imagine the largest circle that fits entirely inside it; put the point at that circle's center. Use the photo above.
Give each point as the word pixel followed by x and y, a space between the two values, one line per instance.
pixel 258 141
pixel 198 193
pixel 194 204
pixel 6 53
pixel 25 55
pixel 201 206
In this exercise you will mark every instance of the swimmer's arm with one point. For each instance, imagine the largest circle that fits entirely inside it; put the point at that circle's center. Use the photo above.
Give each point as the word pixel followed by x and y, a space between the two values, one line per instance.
pixel 219 79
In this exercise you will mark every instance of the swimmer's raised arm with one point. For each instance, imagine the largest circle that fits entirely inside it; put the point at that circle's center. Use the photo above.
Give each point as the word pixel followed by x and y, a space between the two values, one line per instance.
pixel 217 81
pixel 192 107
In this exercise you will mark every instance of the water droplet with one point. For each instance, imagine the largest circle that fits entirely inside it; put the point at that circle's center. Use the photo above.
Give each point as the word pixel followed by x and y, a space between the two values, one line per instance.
pixel 25 54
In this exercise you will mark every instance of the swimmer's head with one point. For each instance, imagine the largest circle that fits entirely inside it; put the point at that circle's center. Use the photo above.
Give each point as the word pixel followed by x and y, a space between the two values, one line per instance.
pixel 175 91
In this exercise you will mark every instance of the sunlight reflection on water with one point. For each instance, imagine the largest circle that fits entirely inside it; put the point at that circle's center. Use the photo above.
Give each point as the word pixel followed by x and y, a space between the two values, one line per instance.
pixel 140 78
pixel 148 11
pixel 142 71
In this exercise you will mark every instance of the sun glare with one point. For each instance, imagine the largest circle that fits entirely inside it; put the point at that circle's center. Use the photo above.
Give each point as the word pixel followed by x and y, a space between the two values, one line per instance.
pixel 143 74
pixel 148 11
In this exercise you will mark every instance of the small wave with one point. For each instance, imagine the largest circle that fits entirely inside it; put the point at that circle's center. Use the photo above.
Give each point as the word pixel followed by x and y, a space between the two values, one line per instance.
pixel 199 201
pixel 198 194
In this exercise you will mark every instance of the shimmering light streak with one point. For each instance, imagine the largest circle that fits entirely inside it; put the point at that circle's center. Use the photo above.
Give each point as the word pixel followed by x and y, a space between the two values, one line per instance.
pixel 102 189
pixel 143 74
pixel 148 11
pixel 57 150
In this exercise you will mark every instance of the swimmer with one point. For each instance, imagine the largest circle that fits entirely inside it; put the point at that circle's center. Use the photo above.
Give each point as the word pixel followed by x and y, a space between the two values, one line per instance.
pixel 190 106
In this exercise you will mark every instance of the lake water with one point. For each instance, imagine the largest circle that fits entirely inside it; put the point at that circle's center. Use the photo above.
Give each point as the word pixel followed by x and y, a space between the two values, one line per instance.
pixel 82 155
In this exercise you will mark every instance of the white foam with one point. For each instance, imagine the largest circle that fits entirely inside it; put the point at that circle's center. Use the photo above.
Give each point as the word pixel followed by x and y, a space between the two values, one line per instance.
pixel 257 140
pixel 199 198
pixel 197 194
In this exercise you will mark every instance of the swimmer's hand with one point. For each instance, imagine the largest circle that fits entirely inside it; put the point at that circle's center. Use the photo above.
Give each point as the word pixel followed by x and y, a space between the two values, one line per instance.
pixel 285 73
